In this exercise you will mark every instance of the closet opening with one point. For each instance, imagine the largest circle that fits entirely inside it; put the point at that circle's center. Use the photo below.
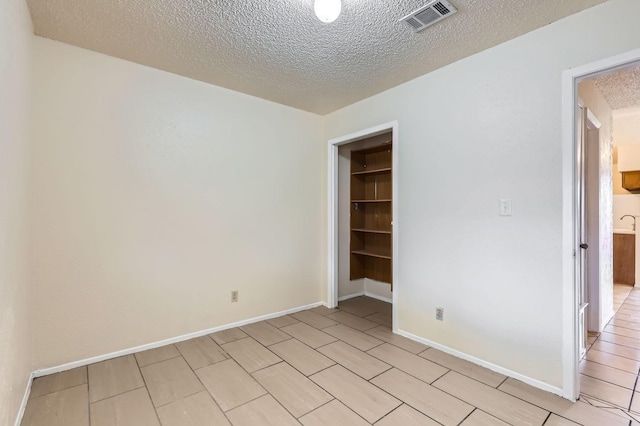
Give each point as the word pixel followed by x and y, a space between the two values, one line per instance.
pixel 363 225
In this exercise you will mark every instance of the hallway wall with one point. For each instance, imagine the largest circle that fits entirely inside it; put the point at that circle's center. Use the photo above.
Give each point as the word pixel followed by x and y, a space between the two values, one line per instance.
pixel 15 331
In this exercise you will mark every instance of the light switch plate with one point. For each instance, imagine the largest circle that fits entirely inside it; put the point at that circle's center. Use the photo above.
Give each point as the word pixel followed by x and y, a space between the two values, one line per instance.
pixel 505 207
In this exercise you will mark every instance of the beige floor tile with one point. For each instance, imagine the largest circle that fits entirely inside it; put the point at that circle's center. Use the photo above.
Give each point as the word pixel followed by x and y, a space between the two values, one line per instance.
pixel 492 401
pixel 290 388
pixel 418 367
pixel 626 324
pixel 128 409
pixel 627 316
pixel 170 380
pixel 308 335
pixel 607 392
pixel 579 412
pixel 301 356
pixel 555 420
pixel 624 310
pixel 358 306
pixel 432 402
pixel 59 381
pixel 635 404
pixel 229 384
pixel 265 333
pixel 194 410
pixel 250 354
pixel 282 321
pixel 380 318
pixel 353 321
pixel 67 407
pixel 620 340
pixel 622 331
pixel 201 351
pixel 226 336
pixel 355 338
pixel 464 367
pixel 113 377
pixel 323 310
pixel 379 305
pixel 625 364
pixel 480 418
pixel 156 355
pixel 354 360
pixel 604 406
pixel 608 374
pixel 406 416
pixel 619 350
pixel 264 411
pixel 333 413
pixel 313 319
pixel 356 393
pixel 388 336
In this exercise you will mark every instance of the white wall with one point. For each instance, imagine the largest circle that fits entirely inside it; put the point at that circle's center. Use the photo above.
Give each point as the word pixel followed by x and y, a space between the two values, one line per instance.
pixel 599 152
pixel 15 341
pixel 155 195
pixel 484 128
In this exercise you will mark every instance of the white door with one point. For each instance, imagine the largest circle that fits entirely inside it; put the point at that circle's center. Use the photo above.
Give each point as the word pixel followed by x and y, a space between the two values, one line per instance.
pixel 581 231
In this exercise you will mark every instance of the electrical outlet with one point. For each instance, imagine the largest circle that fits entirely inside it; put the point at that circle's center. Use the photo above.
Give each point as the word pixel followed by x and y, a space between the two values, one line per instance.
pixel 234 296
pixel 440 314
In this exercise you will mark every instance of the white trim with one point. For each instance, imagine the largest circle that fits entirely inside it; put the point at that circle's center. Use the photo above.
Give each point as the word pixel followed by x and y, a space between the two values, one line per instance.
pixel 365 293
pixel 350 296
pixel 332 211
pixel 378 297
pixel 570 78
pixel 25 399
pixel 608 319
pixel 87 361
pixel 493 367
pixel 593 119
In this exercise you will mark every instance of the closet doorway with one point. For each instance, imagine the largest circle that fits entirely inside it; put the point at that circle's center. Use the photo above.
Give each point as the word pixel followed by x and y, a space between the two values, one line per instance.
pixel 363 221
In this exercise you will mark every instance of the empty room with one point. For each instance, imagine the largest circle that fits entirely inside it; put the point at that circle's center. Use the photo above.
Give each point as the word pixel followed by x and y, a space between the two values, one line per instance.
pixel 317 212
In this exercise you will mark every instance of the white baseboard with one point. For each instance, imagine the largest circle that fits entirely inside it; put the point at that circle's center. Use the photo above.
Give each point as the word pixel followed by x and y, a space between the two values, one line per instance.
pixel 25 399
pixel 528 380
pixel 87 361
pixel 378 297
pixel 364 293
pixel 350 296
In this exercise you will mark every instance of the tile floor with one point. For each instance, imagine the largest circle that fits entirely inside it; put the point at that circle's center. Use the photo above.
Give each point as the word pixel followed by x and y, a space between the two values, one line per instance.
pixel 333 367
pixel 609 372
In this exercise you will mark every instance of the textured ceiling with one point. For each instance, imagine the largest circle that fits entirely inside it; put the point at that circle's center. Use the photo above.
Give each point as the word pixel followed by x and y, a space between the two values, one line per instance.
pixel 621 89
pixel 278 50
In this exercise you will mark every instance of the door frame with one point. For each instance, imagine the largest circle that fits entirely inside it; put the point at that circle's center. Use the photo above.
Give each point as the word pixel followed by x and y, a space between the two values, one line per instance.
pixel 570 182
pixel 332 202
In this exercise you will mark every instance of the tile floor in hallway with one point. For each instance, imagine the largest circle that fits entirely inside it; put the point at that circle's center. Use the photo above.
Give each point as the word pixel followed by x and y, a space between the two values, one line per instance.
pixel 332 367
pixel 609 371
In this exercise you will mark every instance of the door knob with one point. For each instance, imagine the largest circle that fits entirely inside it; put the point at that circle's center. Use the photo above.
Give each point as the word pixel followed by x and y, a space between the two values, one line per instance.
pixel 584 246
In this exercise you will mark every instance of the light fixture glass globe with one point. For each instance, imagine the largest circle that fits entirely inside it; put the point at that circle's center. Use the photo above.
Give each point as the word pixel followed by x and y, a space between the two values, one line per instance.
pixel 327 10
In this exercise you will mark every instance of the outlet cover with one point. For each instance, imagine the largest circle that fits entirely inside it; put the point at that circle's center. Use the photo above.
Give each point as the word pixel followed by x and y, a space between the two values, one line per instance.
pixel 440 314
pixel 234 296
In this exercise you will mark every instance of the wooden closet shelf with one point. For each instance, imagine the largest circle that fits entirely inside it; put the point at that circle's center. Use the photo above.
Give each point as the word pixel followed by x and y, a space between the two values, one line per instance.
pixel 372 231
pixel 372 253
pixel 386 200
pixel 370 172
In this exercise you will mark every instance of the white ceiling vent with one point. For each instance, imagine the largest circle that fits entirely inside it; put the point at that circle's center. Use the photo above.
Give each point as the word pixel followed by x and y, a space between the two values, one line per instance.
pixel 429 14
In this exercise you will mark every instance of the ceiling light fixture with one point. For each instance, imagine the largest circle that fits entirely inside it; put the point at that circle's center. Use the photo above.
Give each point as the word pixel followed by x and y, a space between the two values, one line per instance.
pixel 327 10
